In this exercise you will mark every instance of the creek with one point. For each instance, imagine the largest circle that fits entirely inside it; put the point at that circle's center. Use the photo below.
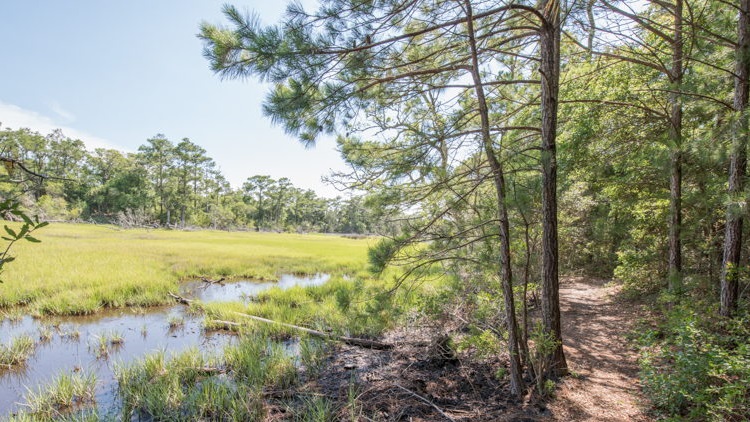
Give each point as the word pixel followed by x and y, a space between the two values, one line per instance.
pixel 73 344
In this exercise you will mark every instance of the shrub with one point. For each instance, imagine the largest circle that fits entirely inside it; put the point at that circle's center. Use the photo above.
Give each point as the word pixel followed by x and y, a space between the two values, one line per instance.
pixel 696 368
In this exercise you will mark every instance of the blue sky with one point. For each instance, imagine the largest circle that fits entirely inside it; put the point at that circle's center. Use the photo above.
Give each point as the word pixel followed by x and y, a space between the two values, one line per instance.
pixel 116 73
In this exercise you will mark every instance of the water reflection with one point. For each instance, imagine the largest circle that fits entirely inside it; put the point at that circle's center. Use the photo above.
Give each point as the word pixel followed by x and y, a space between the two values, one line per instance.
pixel 73 344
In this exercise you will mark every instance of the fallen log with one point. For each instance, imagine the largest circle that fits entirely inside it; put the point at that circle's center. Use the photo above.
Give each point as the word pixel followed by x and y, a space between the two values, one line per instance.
pixel 209 282
pixel 353 341
pixel 180 299
pixel 361 342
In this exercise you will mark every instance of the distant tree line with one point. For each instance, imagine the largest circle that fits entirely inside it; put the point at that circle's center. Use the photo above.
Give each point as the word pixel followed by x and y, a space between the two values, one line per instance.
pixel 162 184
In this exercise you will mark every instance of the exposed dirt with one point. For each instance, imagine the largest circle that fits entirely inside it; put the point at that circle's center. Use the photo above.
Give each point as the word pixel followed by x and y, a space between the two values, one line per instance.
pixel 419 381
pixel 604 385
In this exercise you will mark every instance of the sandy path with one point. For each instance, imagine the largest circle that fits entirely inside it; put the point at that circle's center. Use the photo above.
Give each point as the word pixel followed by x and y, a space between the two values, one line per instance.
pixel 605 383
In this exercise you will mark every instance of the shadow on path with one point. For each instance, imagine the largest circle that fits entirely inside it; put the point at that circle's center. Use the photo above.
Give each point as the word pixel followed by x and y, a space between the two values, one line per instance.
pixel 604 385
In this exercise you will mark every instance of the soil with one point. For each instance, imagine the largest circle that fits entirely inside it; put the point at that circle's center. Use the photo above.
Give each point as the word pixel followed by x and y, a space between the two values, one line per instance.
pixel 604 384
pixel 421 380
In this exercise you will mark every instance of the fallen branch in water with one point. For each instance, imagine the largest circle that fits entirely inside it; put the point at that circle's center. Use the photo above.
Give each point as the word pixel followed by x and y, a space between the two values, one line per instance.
pixel 361 342
pixel 180 299
pixel 209 282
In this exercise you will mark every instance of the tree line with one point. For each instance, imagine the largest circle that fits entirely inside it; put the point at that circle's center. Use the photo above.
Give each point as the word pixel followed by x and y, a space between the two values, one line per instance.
pixel 162 184
pixel 603 136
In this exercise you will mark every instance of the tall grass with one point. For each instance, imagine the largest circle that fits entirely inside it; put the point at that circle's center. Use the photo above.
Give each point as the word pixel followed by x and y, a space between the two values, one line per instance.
pixel 61 397
pixel 356 308
pixel 79 269
pixel 17 351
pixel 193 386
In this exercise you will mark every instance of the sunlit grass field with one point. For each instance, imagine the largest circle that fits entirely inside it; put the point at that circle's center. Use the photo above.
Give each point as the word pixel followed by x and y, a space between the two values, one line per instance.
pixel 80 269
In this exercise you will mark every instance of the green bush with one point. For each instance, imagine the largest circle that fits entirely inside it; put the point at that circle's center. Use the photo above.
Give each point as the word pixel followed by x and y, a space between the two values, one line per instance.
pixel 698 369
pixel 639 271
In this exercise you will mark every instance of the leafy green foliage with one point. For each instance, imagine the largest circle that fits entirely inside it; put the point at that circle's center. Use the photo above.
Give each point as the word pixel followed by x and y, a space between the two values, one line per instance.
pixel 696 367
pixel 542 344
pixel 164 184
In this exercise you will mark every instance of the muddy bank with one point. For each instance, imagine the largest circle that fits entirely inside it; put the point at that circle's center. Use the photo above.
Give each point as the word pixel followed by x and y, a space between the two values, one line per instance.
pixel 418 382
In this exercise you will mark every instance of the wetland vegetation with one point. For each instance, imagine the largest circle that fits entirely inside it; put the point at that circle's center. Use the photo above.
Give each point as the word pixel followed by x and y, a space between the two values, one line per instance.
pixel 99 334
pixel 81 269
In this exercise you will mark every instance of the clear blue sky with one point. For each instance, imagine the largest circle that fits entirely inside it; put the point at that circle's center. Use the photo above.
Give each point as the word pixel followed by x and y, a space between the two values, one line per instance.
pixel 116 73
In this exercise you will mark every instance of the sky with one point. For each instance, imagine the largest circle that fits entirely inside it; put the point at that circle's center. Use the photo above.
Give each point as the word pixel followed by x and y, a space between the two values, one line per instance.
pixel 114 74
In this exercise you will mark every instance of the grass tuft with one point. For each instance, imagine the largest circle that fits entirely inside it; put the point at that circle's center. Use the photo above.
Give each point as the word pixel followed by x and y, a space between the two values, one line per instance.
pixel 17 352
pixel 65 394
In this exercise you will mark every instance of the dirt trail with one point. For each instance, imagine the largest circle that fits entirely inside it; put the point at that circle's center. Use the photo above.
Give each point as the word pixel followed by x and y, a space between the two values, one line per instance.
pixel 605 383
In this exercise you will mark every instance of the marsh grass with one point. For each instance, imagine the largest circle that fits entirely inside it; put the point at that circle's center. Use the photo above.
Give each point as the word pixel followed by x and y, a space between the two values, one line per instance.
pixel 45 333
pixel 312 352
pixel 105 343
pixel 84 415
pixel 17 351
pixel 65 394
pixel 357 308
pixel 353 407
pixel 188 386
pixel 14 315
pixel 315 408
pixel 260 372
pixel 138 267
pixel 71 334
pixel 79 269
pixel 175 321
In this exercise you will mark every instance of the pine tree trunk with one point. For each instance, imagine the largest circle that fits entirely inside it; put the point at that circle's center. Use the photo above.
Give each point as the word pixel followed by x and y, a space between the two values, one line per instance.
pixel 675 134
pixel 516 381
pixel 737 168
pixel 550 70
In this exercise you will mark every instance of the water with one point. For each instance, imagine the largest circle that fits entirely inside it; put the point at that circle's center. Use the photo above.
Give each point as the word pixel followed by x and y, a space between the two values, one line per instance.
pixel 143 332
pixel 243 289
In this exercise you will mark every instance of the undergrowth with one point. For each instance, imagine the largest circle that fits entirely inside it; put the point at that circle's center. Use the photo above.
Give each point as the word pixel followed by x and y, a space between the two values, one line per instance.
pixel 696 366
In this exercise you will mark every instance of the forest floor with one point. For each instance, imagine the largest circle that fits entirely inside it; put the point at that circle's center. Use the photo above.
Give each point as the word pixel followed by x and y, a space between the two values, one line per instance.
pixel 414 382
pixel 604 383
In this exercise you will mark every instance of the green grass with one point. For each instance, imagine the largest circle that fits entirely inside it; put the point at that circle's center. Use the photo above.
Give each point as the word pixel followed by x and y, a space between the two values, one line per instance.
pixel 175 321
pixel 17 351
pixel 105 342
pixel 79 269
pixel 65 394
pixel 356 308
pixel 192 386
